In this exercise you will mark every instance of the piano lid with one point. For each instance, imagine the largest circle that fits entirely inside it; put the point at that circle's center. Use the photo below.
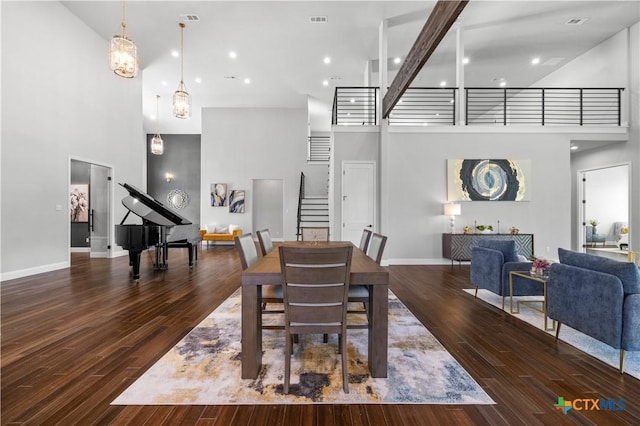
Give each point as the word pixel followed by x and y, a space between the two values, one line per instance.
pixel 150 209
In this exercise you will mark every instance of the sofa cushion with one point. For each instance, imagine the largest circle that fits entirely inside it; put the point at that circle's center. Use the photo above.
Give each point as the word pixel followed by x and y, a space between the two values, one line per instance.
pixel 506 247
pixel 211 228
pixel 221 230
pixel 627 272
pixel 233 228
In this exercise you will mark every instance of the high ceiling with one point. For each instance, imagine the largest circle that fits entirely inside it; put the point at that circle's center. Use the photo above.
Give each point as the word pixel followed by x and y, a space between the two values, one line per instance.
pixel 282 52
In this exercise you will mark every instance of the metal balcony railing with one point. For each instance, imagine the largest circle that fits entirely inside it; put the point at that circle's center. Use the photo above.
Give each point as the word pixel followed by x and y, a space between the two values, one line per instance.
pixel 543 106
pixel 424 106
pixel 319 149
pixel 355 106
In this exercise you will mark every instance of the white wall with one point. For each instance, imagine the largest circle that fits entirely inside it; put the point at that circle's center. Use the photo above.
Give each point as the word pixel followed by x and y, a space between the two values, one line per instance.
pixel 60 100
pixel 417 180
pixel 242 144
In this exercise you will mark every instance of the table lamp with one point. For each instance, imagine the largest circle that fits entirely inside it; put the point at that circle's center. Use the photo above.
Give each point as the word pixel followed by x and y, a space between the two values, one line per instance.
pixel 452 210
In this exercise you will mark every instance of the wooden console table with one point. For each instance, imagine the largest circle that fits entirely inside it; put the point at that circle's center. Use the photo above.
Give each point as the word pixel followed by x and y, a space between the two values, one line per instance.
pixel 458 246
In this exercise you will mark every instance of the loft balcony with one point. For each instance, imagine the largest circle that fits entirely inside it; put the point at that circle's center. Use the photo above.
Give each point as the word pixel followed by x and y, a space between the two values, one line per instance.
pixel 436 106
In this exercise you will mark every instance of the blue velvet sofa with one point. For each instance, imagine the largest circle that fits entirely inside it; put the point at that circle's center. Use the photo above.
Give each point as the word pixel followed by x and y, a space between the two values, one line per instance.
pixel 491 262
pixel 597 296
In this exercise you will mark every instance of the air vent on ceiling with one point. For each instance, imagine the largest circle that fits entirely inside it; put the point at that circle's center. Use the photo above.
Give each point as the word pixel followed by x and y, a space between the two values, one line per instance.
pixel 576 21
pixel 318 19
pixel 190 18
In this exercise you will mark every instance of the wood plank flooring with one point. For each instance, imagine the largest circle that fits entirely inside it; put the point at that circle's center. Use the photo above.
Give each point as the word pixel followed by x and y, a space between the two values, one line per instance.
pixel 73 340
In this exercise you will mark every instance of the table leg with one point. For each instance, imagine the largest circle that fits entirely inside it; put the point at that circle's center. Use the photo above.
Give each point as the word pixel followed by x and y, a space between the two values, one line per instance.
pixel 378 330
pixel 251 356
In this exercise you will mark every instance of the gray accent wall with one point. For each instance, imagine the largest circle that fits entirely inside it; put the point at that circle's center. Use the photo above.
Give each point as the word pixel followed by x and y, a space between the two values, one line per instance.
pixel 181 158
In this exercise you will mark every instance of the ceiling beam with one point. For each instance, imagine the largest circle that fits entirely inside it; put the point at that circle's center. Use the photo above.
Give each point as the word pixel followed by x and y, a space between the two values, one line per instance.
pixel 442 17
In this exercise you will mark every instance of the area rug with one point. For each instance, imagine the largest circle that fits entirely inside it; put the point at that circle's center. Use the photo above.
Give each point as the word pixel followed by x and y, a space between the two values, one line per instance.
pixel 204 368
pixel 593 347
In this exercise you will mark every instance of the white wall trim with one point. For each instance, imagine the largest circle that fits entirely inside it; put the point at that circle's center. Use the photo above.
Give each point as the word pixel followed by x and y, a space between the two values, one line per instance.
pixel 33 271
pixel 436 261
pixel 355 129
pixel 614 130
pixel 80 249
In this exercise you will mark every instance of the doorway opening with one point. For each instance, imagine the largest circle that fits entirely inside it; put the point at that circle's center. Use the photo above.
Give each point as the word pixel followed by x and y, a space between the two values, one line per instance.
pixel 91 219
pixel 604 214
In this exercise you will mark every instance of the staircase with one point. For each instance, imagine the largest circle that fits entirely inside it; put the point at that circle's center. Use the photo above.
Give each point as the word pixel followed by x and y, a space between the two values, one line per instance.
pixel 312 211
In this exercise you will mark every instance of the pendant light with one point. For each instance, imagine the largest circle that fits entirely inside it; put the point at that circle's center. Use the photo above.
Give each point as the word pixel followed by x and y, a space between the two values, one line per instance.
pixel 181 98
pixel 123 53
pixel 157 144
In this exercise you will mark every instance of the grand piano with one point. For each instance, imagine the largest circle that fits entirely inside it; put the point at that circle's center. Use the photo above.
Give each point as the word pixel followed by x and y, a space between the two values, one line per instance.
pixel 161 228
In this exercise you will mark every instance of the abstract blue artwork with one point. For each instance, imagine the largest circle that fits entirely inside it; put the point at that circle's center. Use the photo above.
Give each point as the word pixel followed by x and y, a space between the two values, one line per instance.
pixel 489 180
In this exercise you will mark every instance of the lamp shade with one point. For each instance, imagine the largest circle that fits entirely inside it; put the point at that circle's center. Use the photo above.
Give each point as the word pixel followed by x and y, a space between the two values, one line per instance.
pixel 452 209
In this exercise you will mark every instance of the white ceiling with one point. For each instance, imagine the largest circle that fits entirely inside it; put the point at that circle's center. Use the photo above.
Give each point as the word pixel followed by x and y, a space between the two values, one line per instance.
pixel 282 52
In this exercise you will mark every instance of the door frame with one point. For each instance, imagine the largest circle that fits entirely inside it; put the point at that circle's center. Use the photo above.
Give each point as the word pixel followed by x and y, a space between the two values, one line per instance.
pixel 375 193
pixel 580 225
pixel 110 209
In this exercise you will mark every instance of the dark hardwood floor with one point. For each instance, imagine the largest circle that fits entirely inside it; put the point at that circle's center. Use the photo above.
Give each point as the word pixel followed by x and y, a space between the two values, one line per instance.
pixel 73 340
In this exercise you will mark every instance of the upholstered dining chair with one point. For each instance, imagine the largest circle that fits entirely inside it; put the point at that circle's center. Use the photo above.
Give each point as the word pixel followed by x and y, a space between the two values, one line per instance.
pixel 315 233
pixel 264 238
pixel 315 282
pixel 364 240
pixel 271 293
pixel 360 293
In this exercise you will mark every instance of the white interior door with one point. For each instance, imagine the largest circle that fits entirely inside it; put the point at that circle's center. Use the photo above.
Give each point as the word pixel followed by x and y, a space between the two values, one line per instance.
pixel 99 213
pixel 358 198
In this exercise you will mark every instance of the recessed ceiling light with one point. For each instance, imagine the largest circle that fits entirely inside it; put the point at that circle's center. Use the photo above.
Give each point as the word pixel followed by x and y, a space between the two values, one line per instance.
pixel 352 100
pixel 175 53
pixel 327 60
pixel 443 83
pixel 503 83
pixel 465 61
pixel 574 147
pixel 198 80
pixel 247 80
pixel 152 117
pixel 397 60
pixel 233 55
pixel 535 61
pixel 325 82
pixel 164 83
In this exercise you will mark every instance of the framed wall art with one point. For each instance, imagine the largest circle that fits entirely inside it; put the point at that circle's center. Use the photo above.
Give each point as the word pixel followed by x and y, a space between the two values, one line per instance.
pixel 488 180
pixel 218 194
pixel 79 202
pixel 236 201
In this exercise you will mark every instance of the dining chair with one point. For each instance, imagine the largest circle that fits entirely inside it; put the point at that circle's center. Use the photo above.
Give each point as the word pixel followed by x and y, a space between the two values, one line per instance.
pixel 271 293
pixel 315 233
pixel 315 282
pixel 264 238
pixel 364 240
pixel 360 293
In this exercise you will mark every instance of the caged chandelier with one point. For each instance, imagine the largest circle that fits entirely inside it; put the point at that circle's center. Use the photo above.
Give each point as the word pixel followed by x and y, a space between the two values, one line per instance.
pixel 181 98
pixel 123 53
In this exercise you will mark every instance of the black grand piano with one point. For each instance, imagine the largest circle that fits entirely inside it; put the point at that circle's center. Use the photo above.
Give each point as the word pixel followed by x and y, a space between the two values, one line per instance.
pixel 161 228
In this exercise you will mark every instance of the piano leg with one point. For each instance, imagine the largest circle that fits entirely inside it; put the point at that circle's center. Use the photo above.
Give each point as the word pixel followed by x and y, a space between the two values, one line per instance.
pixel 134 261
pixel 191 248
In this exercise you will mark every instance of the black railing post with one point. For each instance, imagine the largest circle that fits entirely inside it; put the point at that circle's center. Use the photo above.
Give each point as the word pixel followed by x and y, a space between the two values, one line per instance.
pixel 619 107
pixel 334 112
pixel 300 197
pixel 504 108
pixel 454 92
pixel 466 107
pixel 375 106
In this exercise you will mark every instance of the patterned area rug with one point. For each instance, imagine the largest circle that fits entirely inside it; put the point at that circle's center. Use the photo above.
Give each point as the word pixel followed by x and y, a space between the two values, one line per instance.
pixel 204 368
pixel 593 347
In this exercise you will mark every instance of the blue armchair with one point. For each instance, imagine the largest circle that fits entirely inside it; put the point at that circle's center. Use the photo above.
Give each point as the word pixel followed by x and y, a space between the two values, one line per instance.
pixel 492 260
pixel 597 296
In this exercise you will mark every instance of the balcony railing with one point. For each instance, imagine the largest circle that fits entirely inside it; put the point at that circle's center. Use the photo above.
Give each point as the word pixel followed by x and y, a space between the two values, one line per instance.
pixel 425 106
pixel 319 149
pixel 355 106
pixel 544 106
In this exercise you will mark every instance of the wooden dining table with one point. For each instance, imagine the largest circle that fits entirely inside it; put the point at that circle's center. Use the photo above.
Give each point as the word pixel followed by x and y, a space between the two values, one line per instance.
pixel 266 270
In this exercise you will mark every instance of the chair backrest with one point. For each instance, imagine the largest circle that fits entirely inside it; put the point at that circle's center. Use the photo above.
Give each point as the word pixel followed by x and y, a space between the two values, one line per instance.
pixel 264 237
pixel 376 247
pixel 315 233
pixel 247 250
pixel 315 283
pixel 364 239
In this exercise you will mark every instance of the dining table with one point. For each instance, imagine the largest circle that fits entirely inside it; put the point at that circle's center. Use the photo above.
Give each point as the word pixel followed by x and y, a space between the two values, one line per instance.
pixel 364 271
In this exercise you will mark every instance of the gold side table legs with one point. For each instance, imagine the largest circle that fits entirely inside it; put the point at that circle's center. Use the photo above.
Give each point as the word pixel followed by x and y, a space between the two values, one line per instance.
pixel 531 303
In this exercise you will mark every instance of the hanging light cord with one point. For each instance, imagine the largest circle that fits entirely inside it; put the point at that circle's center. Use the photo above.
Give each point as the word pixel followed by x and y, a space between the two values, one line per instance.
pixel 124 21
pixel 181 51
pixel 157 116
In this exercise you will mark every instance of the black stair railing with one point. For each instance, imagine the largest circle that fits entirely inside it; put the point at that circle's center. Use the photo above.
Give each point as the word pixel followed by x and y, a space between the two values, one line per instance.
pixel 300 197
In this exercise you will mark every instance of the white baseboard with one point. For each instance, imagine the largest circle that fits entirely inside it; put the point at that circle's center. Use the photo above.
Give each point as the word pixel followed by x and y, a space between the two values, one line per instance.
pixel 33 271
pixel 80 249
pixel 436 261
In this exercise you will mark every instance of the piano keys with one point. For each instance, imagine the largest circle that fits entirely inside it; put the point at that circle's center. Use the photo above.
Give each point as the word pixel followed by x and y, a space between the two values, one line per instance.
pixel 161 228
